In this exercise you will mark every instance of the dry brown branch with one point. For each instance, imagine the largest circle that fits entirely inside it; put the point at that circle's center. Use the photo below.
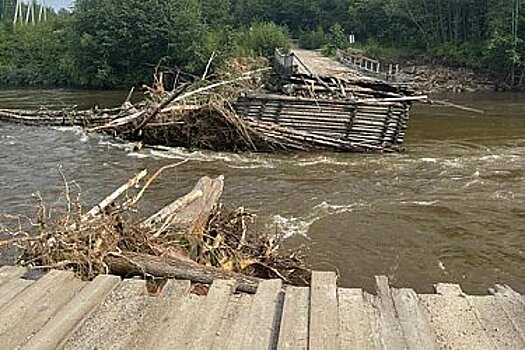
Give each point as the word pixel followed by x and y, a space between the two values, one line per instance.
pixel 137 198
pixel 194 238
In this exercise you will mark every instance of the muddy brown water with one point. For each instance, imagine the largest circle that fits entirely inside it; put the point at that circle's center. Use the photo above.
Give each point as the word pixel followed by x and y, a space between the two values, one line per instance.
pixel 451 209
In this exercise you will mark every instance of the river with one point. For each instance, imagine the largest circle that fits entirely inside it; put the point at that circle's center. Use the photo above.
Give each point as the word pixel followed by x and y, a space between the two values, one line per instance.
pixel 450 209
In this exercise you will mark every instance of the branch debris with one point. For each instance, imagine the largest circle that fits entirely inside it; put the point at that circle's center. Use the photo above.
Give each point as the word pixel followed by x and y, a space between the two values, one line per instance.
pixel 196 237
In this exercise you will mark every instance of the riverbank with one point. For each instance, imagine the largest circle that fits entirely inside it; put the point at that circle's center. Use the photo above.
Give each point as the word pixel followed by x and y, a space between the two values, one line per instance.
pixel 427 74
pixel 432 77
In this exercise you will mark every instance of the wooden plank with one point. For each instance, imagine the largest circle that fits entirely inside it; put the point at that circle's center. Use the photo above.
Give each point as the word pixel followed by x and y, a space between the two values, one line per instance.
pixel 234 324
pixel 15 310
pixel 204 330
pixel 263 329
pixel 10 290
pixel 513 305
pixel 324 319
pixel 358 325
pixel 413 320
pixel 392 336
pixel 170 297
pixel 39 311
pixel 294 323
pixel 176 324
pixel 453 320
pixel 72 314
pixel 109 324
pixel 499 327
pixel 8 273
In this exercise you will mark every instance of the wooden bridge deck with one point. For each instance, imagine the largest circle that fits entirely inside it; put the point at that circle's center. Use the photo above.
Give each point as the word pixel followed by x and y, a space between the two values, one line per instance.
pixel 59 311
pixel 318 64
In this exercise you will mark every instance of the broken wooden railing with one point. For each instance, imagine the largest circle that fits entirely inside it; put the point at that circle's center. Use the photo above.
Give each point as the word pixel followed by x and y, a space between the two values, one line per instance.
pixel 372 67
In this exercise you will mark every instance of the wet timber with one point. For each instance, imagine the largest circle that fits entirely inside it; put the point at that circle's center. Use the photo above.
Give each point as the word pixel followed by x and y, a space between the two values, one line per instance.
pixel 58 311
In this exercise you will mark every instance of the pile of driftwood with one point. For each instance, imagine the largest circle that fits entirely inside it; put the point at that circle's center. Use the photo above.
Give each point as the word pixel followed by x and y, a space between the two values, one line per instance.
pixel 194 238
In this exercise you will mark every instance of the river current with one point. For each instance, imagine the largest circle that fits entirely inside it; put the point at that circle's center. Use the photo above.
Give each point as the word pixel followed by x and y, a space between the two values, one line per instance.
pixel 450 209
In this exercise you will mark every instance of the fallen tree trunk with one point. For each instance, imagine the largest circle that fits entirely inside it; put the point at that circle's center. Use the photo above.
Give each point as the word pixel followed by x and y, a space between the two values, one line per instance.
pixel 190 213
pixel 133 264
pixel 193 218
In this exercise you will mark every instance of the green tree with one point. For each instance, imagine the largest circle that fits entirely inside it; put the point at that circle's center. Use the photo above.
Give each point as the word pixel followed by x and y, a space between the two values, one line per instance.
pixel 35 55
pixel 120 41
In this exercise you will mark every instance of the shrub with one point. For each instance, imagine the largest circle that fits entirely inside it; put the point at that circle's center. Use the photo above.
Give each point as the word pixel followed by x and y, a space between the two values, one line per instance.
pixel 263 38
pixel 313 40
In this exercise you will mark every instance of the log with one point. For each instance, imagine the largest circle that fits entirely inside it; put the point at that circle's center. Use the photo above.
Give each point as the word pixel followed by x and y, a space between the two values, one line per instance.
pixel 96 210
pixel 167 213
pixel 190 213
pixel 457 106
pixel 134 264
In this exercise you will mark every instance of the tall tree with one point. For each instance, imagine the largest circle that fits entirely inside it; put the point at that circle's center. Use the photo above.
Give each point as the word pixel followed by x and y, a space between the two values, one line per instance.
pixel 120 41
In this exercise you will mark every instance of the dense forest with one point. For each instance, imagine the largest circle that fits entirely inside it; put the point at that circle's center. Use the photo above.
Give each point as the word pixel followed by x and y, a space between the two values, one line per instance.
pixel 110 43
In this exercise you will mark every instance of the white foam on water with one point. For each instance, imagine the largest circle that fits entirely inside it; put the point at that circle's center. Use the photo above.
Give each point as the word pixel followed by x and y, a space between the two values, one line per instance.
pixel 428 160
pixel 503 195
pixel 421 203
pixel 76 130
pixel 293 226
pixel 253 166
pixel 299 226
pixel 473 182
pixel 453 163
pixel 321 160
pixel 137 155
pixel 236 161
pixel 112 143
pixel 491 157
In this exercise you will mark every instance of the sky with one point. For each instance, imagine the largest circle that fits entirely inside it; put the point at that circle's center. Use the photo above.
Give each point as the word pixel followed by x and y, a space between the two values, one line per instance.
pixel 57 4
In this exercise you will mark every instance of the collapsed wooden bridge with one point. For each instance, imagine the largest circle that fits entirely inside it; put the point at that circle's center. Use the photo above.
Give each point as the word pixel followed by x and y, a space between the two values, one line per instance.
pixel 372 125
pixel 59 311
pixel 297 110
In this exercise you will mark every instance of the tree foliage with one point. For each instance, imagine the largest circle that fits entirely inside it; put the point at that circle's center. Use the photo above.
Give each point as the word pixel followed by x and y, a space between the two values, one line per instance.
pixel 35 56
pixel 109 43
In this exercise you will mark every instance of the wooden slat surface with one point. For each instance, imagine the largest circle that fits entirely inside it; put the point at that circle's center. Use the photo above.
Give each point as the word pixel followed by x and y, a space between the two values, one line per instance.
pixel 455 323
pixel 59 311
pixel 324 320
pixel 169 299
pixel 8 273
pixel 110 323
pixel 207 323
pixel 392 335
pixel 72 314
pixel 39 311
pixel 234 324
pixel 262 328
pixel 294 322
pixel 11 289
pixel 513 304
pixel 175 324
pixel 358 321
pixel 497 323
pixel 413 320
pixel 19 307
